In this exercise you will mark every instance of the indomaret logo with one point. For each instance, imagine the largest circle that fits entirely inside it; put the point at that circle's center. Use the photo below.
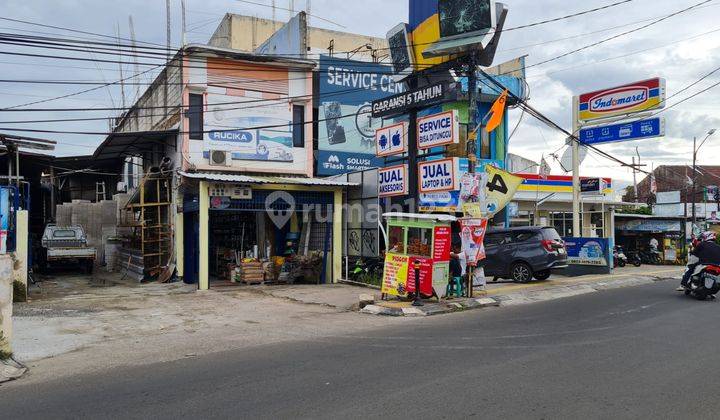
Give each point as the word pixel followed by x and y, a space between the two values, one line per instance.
pixel 619 99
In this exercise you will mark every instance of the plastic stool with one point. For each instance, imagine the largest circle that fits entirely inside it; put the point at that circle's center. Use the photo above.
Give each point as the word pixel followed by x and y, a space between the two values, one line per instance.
pixel 456 286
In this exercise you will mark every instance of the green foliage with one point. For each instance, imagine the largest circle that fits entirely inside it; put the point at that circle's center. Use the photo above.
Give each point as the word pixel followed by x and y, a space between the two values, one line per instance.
pixel 635 210
pixel 4 355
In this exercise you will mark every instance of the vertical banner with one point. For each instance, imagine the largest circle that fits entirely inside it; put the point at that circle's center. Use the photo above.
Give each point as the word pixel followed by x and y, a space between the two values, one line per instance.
pixel 472 235
pixel 426 275
pixel 395 275
pixel 442 243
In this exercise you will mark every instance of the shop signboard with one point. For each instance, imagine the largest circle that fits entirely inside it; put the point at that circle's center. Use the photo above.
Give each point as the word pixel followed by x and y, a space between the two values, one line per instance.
pixel 395 275
pixel 591 186
pixel 423 97
pixel 346 127
pixel 436 175
pixel 438 130
pixel 472 235
pixel 587 251
pixel 393 181
pixel 622 100
pixel 634 130
pixel 391 140
pixel 442 243
pixel 250 142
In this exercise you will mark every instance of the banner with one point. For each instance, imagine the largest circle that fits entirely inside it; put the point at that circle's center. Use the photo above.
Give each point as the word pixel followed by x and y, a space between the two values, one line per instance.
pixel 425 275
pixel 442 243
pixel 346 130
pixel 395 275
pixel 501 188
pixel 472 235
pixel 497 111
pixel 587 251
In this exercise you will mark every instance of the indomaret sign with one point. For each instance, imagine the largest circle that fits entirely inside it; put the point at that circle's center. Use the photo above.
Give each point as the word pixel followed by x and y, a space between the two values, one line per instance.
pixel 622 100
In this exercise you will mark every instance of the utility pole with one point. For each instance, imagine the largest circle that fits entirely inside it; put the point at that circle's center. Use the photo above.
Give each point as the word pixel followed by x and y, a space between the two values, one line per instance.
pixel 136 66
pixel 167 28
pixel 472 139
pixel 635 188
pixel 120 64
pixel 694 180
pixel 575 144
pixel 184 27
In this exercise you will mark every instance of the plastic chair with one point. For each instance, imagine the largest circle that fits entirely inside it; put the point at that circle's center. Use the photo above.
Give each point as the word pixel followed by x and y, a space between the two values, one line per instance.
pixel 455 286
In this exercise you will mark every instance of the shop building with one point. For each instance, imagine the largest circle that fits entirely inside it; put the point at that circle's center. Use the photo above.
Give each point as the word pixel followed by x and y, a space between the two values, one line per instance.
pixel 635 232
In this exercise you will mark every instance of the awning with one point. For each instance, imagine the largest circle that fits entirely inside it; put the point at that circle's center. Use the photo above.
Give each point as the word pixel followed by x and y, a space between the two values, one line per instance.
pixel 252 179
pixel 120 145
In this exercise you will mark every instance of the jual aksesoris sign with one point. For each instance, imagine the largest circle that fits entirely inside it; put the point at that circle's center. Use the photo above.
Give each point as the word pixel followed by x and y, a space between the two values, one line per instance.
pixel 393 181
pixel 628 99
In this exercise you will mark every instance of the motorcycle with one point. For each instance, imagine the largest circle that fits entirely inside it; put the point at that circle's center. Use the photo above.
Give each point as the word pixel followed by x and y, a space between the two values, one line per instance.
pixel 651 256
pixel 619 257
pixel 634 258
pixel 704 283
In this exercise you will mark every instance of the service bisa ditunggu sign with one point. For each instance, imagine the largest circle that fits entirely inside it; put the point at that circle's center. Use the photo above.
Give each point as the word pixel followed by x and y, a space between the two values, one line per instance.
pixel 622 100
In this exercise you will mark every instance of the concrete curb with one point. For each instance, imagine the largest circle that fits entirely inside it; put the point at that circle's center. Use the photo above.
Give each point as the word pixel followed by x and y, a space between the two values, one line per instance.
pixel 429 309
pixel 10 370
pixel 510 299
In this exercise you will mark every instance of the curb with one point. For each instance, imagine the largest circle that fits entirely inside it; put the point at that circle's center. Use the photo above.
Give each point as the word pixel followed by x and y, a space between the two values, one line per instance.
pixel 430 309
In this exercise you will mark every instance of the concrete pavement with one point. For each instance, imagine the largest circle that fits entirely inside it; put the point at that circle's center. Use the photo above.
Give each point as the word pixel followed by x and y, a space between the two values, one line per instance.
pixel 622 353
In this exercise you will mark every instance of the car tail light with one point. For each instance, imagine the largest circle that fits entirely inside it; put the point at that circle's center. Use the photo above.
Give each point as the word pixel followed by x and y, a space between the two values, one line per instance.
pixel 552 245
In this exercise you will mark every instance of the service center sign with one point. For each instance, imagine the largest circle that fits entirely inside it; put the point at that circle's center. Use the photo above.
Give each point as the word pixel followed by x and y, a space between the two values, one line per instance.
pixel 438 130
pixel 622 100
pixel 436 175
pixel 392 181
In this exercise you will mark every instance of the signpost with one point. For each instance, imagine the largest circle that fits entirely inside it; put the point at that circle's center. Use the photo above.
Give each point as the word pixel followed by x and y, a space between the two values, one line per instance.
pixel 622 100
pixel 634 130
pixel 391 140
pixel 414 99
pixel 438 130
pixel 392 181
pixel 436 175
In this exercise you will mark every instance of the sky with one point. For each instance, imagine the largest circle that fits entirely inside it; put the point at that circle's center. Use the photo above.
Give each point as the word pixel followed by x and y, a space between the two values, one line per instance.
pixel 680 49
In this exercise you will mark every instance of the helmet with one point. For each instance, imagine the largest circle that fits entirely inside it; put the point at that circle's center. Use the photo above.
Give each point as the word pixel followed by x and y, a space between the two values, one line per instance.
pixel 708 237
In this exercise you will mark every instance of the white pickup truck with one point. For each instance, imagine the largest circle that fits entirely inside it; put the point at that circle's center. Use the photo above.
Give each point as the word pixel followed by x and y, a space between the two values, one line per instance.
pixel 67 245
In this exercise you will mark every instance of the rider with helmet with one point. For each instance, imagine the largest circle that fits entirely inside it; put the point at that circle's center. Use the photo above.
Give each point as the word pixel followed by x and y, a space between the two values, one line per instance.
pixel 706 250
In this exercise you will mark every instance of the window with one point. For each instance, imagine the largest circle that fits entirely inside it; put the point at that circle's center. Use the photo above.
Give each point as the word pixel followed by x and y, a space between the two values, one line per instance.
pixel 64 234
pixel 195 115
pixel 397 239
pixel 419 242
pixel 298 126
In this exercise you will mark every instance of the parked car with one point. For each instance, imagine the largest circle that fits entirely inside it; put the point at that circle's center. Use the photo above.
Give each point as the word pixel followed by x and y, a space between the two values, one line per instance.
pixel 522 253
pixel 66 245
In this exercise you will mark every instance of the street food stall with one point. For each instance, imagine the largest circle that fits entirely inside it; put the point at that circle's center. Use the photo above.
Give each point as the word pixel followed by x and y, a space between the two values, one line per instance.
pixel 416 240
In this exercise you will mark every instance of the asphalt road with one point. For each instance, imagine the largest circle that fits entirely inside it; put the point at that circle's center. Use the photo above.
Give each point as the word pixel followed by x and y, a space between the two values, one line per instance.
pixel 637 352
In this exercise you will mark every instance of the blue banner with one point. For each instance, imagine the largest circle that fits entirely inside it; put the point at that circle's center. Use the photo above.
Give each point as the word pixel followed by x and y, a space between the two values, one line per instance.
pixel 346 130
pixel 654 127
pixel 587 251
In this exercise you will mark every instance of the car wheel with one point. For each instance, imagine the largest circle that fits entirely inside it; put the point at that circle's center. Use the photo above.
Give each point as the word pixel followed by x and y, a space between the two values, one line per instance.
pixel 542 275
pixel 521 273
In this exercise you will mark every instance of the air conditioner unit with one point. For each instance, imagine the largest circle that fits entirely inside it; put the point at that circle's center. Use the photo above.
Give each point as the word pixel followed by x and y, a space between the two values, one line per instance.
pixel 220 158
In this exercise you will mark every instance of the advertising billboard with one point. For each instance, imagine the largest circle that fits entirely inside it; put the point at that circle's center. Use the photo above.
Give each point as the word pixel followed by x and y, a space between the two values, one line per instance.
pixel 393 181
pixel 237 130
pixel 587 251
pixel 436 175
pixel 346 127
pixel 438 130
pixel 622 100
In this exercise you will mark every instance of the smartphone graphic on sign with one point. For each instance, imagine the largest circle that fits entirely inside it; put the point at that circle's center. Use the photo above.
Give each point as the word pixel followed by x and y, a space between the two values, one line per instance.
pixel 336 132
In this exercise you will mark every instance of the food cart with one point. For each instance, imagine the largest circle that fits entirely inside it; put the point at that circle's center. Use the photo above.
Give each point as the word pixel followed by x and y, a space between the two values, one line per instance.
pixel 423 239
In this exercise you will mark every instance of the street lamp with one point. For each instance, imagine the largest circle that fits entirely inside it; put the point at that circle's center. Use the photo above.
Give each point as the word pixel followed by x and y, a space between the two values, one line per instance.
pixel 694 179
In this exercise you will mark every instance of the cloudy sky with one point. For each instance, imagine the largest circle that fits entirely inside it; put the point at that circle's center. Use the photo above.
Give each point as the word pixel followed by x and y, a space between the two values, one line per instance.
pixel 681 49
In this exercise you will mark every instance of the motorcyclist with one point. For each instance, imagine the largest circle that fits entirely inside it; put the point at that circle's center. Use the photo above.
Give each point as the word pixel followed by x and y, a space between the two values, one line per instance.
pixel 708 253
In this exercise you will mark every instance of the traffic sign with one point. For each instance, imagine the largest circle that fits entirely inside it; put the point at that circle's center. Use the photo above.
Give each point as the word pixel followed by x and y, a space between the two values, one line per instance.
pixel 634 130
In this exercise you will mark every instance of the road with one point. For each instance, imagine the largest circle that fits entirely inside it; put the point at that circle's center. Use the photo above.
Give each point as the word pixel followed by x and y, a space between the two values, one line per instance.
pixel 626 353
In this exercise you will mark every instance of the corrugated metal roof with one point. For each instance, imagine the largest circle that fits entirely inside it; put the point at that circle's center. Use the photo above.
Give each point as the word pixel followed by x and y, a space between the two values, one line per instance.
pixel 252 179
